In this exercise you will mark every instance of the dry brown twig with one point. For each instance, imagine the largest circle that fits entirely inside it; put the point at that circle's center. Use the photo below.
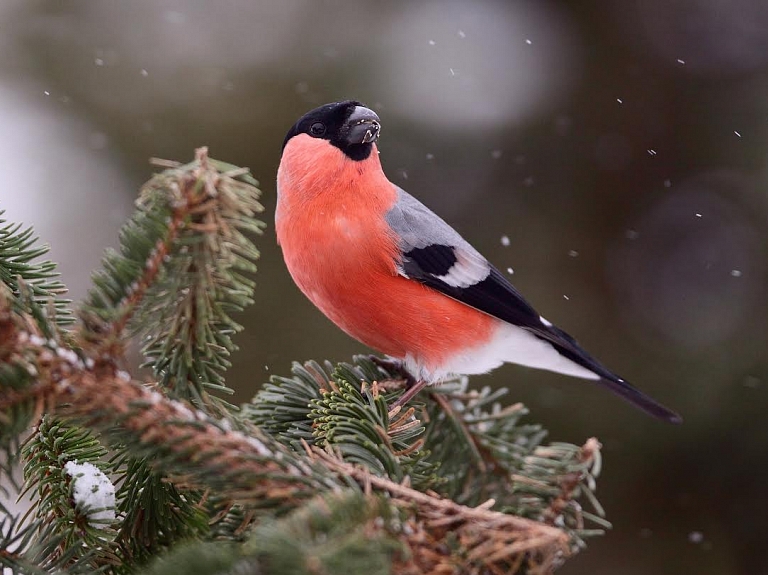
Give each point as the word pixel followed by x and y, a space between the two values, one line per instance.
pixel 570 483
pixel 495 542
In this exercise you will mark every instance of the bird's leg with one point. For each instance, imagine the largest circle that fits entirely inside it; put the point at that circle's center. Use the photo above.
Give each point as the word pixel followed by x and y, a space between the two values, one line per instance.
pixel 410 393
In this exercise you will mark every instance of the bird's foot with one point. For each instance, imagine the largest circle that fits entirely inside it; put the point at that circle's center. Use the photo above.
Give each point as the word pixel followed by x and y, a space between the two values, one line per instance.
pixel 395 367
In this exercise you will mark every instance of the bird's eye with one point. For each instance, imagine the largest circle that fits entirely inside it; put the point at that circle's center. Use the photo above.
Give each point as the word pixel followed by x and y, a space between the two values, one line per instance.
pixel 317 129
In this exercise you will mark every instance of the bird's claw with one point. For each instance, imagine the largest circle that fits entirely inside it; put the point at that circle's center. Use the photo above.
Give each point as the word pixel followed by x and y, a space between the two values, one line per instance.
pixel 394 367
pixel 397 367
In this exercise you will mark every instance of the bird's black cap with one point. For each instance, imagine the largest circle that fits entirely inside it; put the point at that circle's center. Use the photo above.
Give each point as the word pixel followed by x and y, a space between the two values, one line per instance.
pixel 348 125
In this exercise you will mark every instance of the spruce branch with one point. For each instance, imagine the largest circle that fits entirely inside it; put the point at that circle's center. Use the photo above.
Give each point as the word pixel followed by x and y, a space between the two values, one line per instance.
pixel 19 252
pixel 205 281
pixel 343 532
pixel 20 402
pixel 485 541
pixel 205 203
pixel 198 451
pixel 315 475
pixel 35 548
pixel 155 513
pixel 175 283
pixel 344 408
pixel 179 275
pixel 186 325
pixel 468 448
pixel 46 453
pixel 29 301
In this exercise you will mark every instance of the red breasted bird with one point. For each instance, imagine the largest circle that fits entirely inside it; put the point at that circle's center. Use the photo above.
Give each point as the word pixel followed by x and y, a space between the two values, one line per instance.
pixel 392 274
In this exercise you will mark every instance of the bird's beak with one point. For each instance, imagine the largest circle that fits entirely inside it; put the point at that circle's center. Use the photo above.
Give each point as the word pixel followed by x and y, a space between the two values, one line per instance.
pixel 363 126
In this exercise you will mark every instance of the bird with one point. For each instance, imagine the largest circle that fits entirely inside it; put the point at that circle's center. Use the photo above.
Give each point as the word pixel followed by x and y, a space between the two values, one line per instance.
pixel 394 275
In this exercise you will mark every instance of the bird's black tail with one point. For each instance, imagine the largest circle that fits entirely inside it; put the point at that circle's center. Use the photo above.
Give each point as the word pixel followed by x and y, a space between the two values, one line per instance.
pixel 568 347
pixel 640 399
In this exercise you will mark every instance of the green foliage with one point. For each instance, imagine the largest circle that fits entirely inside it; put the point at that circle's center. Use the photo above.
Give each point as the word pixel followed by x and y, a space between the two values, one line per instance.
pixel 155 513
pixel 356 424
pixel 315 475
pixel 31 286
pixel 18 251
pixel 43 547
pixel 185 320
pixel 340 533
pixel 485 451
pixel 183 253
pixel 193 558
pixel 108 299
pixel 45 455
pixel 174 283
pixel 331 534
pixel 470 450
pixel 328 407
pixel 281 407
pixel 179 275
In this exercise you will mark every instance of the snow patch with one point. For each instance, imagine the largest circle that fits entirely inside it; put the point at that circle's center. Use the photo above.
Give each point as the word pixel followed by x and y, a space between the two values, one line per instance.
pixel 93 492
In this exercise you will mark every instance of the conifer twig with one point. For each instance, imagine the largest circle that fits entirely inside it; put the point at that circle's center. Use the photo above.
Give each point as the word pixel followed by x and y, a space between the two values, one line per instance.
pixel 570 482
pixel 152 267
pixel 461 426
pixel 495 540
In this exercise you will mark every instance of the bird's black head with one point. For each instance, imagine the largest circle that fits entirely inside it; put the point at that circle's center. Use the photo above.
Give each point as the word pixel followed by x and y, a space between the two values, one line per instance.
pixel 348 125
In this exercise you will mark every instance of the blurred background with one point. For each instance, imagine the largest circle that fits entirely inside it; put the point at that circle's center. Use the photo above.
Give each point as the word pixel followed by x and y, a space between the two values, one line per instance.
pixel 611 157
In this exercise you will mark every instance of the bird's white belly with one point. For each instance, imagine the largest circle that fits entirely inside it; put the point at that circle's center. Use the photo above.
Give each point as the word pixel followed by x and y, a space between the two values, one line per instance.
pixel 509 344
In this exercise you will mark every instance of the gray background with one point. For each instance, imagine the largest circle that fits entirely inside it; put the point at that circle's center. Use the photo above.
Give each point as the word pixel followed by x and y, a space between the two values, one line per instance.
pixel 619 146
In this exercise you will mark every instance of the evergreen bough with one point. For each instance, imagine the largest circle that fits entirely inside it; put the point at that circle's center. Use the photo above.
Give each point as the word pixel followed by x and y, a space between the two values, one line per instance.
pixel 315 475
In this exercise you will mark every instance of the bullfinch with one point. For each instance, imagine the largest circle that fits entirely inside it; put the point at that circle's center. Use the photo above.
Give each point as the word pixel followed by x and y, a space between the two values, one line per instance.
pixel 393 275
